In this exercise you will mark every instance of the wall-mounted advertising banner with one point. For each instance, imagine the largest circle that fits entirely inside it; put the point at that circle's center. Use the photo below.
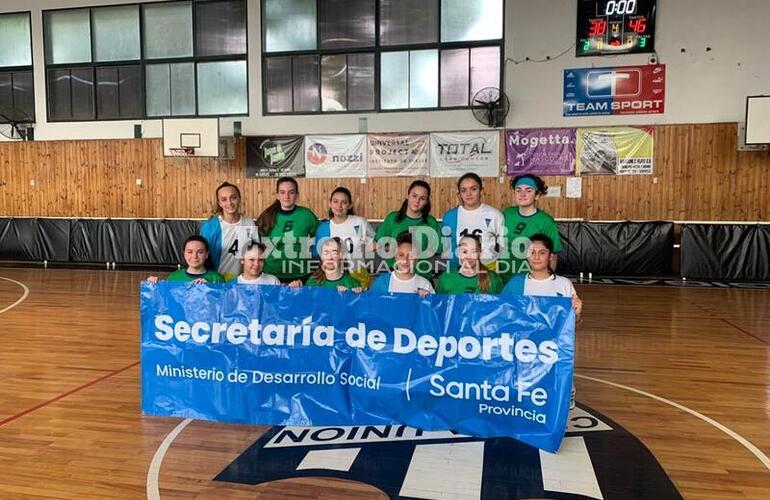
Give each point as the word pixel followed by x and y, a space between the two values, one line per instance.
pixel 335 156
pixel 275 156
pixel 615 150
pixel 453 154
pixel 397 155
pixel 622 90
pixel 480 365
pixel 540 151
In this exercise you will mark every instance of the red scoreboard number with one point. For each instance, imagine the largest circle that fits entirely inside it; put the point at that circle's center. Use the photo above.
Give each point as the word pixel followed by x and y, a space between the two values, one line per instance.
pixel 615 27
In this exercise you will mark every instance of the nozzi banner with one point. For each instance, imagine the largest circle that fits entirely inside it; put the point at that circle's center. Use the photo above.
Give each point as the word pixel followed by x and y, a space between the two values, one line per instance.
pixel 477 364
pixel 335 156
pixel 397 155
pixel 540 151
pixel 453 154
pixel 274 156
pixel 621 90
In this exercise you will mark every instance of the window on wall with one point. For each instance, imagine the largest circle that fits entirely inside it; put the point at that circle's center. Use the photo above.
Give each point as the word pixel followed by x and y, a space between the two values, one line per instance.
pixel 153 60
pixel 17 101
pixel 326 56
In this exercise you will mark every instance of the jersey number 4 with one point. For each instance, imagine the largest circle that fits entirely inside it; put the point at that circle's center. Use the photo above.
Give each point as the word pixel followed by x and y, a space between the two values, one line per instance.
pixel 233 248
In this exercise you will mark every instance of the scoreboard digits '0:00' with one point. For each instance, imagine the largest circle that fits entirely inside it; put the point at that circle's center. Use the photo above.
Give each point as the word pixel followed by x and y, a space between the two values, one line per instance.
pixel 615 27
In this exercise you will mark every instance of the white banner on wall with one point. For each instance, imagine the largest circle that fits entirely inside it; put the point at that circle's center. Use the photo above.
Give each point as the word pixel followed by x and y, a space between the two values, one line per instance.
pixel 335 156
pixel 454 154
pixel 397 155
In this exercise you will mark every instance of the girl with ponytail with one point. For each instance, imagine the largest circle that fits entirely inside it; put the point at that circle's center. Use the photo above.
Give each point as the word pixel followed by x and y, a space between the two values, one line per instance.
pixel 414 213
pixel 287 225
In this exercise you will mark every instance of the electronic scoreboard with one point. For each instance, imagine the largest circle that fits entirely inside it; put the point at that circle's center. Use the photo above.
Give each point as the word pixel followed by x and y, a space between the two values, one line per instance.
pixel 615 27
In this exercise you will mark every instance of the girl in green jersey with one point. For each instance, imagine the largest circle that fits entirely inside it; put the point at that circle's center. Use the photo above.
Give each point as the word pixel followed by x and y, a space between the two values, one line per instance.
pixel 195 253
pixel 472 276
pixel 331 273
pixel 289 227
pixel 414 213
pixel 522 221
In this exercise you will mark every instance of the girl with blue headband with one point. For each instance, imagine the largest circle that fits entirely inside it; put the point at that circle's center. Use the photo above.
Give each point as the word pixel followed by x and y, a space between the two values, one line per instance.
pixel 522 221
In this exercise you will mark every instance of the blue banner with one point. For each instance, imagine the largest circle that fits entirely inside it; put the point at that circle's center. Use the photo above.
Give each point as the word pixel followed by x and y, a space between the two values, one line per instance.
pixel 480 365
pixel 615 90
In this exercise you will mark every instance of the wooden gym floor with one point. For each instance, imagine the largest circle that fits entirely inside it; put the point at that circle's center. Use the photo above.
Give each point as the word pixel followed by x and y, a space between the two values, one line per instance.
pixel 70 423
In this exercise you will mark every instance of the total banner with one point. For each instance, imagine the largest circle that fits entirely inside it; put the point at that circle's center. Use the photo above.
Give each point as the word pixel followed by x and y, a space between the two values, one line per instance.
pixel 397 155
pixel 274 156
pixel 335 156
pixel 267 355
pixel 453 154
pixel 615 150
pixel 540 151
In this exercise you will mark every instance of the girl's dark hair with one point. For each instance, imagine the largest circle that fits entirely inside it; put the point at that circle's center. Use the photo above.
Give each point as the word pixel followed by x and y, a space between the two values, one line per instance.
pixel 267 218
pixel 319 275
pixel 470 175
pixel 483 273
pixel 259 245
pixel 218 209
pixel 405 237
pixel 209 264
pixel 546 241
pixel 425 210
pixel 346 192
pixel 542 189
pixel 542 238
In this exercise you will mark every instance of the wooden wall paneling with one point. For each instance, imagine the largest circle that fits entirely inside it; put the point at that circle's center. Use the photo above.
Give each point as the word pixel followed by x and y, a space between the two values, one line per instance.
pixel 700 177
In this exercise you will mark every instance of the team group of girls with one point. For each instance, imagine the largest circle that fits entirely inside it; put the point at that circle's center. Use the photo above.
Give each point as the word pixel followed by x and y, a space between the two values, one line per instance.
pixel 233 247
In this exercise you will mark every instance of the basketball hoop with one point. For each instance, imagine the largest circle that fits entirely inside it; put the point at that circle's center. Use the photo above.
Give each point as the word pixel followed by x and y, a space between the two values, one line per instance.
pixel 182 153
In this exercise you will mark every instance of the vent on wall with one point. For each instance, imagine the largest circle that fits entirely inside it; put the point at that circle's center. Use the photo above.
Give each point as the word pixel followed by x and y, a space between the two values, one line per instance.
pixel 227 148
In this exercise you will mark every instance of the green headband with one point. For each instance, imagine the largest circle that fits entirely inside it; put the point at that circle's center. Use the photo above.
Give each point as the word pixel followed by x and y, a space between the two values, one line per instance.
pixel 526 181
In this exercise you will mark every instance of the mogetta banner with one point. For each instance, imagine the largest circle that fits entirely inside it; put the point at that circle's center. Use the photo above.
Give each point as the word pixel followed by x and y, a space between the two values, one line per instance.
pixel 479 365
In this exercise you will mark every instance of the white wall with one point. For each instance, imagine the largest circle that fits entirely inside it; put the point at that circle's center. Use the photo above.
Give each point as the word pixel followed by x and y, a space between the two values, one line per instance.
pixel 702 86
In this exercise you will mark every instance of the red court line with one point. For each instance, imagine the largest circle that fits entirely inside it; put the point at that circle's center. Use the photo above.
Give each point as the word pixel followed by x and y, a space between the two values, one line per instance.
pixel 744 331
pixel 64 395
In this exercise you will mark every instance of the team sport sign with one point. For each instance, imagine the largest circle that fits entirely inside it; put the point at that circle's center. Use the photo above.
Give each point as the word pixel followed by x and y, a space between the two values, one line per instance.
pixel 335 156
pixel 478 364
pixel 622 90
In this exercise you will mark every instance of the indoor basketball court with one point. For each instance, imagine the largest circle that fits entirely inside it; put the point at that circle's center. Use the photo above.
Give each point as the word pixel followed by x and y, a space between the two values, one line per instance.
pixel 130 130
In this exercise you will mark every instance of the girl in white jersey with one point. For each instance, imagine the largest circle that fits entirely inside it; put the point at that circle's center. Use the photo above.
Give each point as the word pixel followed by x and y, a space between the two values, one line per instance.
pixel 355 232
pixel 253 262
pixel 228 231
pixel 473 218
pixel 403 279
pixel 540 281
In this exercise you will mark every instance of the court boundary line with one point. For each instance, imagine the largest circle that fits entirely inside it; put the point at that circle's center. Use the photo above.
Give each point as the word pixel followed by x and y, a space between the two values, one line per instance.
pixel 153 473
pixel 65 394
pixel 23 297
pixel 744 331
pixel 726 430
